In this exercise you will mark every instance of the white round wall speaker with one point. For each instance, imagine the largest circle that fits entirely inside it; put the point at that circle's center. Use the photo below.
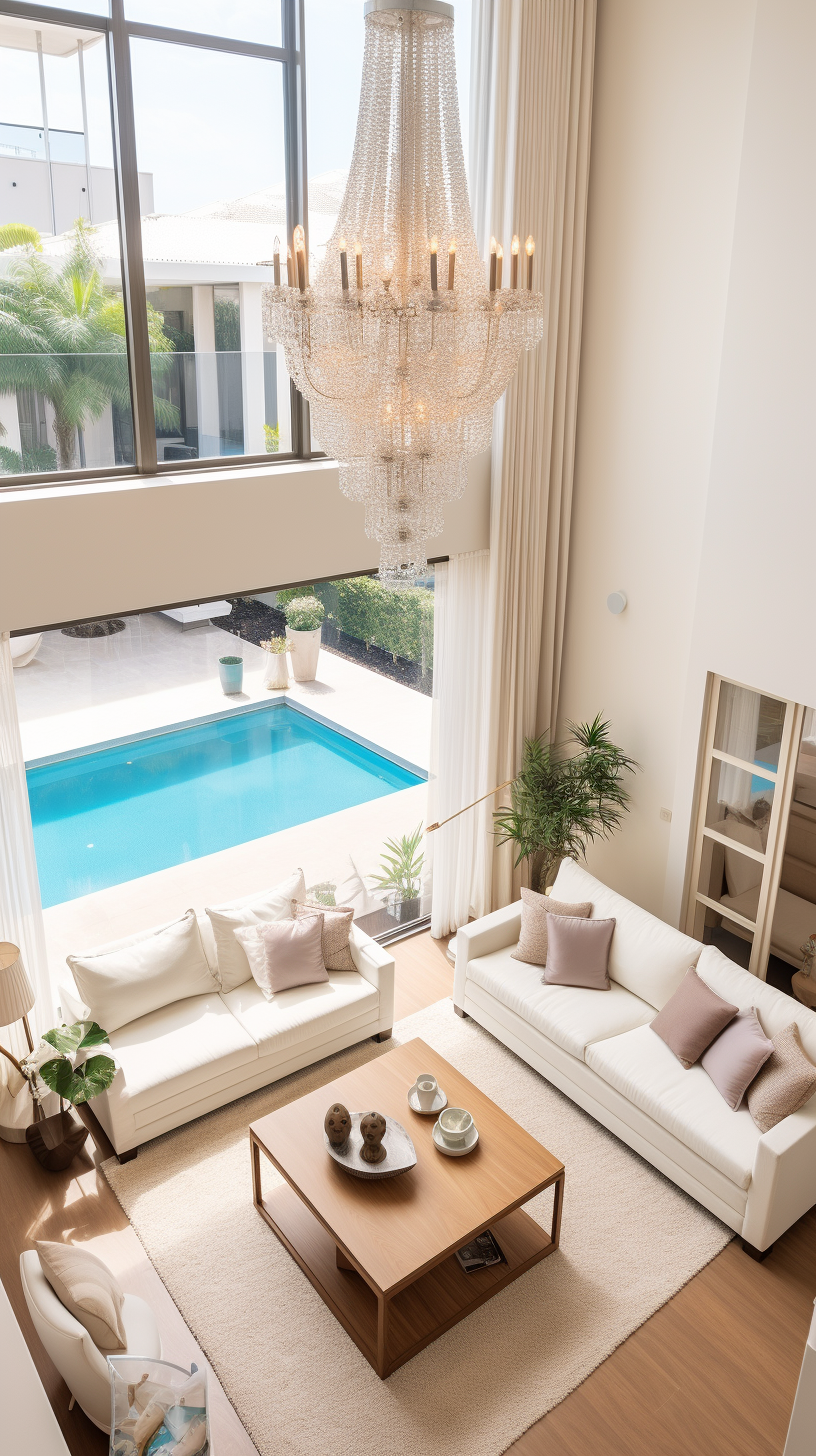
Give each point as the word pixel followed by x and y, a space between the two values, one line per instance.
pixel 616 602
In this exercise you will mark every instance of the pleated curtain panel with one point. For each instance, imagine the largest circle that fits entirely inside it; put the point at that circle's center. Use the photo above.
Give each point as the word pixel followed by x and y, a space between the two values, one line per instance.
pixel 532 72
pixel 21 918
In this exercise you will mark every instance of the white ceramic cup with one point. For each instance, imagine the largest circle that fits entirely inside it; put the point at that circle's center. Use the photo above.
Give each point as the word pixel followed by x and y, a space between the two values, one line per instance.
pixel 454 1124
pixel 426 1090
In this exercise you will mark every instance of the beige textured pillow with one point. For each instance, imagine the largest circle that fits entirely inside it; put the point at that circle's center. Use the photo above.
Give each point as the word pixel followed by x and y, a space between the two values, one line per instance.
pixel 785 1083
pixel 87 1289
pixel 535 908
pixel 336 927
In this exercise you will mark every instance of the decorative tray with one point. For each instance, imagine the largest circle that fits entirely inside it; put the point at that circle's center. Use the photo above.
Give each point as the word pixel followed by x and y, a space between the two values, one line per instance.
pixel 400 1154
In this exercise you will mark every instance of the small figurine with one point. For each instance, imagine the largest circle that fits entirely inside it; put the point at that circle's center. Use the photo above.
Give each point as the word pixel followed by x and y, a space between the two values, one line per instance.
pixel 337 1124
pixel 372 1129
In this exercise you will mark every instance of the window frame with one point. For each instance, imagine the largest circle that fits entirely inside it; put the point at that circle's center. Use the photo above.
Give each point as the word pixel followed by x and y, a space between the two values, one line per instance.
pixel 118 31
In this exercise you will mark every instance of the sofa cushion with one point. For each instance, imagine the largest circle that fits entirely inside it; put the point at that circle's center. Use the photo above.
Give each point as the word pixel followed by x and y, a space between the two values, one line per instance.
pixel 292 953
pixel 571 1016
pixel 535 908
pixel 88 1290
pixel 129 978
pixel 305 1013
pixel 578 952
pixel 736 1055
pixel 686 1103
pixel 175 1049
pixel 692 1018
pixel 262 907
pixel 774 1009
pixel 647 956
pixel 787 1081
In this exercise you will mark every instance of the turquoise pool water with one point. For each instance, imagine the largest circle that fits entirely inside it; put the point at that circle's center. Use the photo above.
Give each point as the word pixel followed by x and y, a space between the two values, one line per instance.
pixel 105 817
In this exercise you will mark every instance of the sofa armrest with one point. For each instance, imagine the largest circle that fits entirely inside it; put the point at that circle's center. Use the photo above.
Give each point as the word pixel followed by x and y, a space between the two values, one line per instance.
pixel 492 932
pixel 783 1186
pixel 72 1007
pixel 375 965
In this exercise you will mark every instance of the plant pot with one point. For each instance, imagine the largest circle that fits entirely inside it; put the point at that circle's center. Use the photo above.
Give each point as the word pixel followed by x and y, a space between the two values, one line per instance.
pixel 231 675
pixel 408 910
pixel 304 650
pixel 55 1141
pixel 276 672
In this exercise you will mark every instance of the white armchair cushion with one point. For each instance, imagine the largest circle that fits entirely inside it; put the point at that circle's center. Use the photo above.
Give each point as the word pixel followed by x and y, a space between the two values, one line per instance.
pixel 132 977
pixel 87 1289
pixel 255 909
pixel 647 956
pixel 571 1016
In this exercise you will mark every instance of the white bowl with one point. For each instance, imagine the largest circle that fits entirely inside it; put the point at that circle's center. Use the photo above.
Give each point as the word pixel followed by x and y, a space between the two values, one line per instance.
pixel 454 1125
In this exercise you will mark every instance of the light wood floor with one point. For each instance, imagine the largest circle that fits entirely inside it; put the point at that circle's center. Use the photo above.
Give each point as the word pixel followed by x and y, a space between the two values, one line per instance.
pixel 713 1372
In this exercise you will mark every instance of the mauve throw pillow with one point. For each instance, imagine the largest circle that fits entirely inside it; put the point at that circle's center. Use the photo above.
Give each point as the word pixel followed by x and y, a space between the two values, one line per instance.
pixel 292 954
pixel 692 1018
pixel 535 912
pixel 786 1082
pixel 578 952
pixel 736 1055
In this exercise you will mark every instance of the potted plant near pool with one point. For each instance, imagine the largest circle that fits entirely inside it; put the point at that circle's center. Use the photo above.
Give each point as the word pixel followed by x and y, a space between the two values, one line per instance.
pixel 231 673
pixel 402 863
pixel 304 619
pixel 276 672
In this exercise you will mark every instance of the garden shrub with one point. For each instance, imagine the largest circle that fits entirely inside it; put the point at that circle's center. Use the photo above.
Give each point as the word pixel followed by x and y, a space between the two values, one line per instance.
pixel 401 623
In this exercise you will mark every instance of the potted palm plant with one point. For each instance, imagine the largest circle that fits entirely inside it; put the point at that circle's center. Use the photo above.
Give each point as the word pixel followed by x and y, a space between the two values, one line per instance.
pixel 62 1065
pixel 276 672
pixel 402 864
pixel 304 620
pixel 566 795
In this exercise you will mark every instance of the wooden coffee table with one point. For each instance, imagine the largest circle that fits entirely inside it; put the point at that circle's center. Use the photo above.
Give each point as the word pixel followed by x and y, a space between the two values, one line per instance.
pixel 381 1254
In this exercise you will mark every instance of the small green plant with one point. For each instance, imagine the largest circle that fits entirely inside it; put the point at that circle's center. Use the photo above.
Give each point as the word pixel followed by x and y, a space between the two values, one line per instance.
pixel 304 614
pixel 402 864
pixel 566 795
pixel 73 1079
pixel 272 437
pixel 230 661
pixel 275 645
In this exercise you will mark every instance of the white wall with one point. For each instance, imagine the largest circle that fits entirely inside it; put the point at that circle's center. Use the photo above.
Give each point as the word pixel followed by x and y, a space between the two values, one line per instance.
pixel 91 550
pixel 25 196
pixel 671 84
pixel 755 614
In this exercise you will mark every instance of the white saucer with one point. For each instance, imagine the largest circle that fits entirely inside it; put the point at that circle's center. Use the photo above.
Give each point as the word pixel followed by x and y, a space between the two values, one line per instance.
pixel 440 1101
pixel 471 1139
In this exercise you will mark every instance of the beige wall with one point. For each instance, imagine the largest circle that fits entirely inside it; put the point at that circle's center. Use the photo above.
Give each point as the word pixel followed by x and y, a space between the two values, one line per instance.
pixel 671 83
pixel 90 550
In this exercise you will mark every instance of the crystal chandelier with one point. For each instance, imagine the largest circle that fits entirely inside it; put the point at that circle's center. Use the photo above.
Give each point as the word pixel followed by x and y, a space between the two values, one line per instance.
pixel 404 341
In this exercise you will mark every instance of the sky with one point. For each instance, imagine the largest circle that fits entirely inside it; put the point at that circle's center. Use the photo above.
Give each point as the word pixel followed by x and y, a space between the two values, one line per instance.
pixel 209 125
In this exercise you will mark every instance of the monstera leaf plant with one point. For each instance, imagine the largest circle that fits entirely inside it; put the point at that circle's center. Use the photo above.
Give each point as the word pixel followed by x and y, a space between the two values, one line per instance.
pixel 72 1077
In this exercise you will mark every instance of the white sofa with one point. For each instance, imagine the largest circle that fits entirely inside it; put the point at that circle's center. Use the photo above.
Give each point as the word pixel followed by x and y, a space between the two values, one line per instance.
pixel 598 1048
pixel 192 1055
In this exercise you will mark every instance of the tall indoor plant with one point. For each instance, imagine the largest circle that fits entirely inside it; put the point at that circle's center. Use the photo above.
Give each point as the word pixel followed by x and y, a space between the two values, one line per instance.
pixel 566 795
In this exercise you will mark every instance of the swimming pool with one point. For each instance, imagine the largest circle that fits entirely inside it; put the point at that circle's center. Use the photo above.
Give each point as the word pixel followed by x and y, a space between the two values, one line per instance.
pixel 103 817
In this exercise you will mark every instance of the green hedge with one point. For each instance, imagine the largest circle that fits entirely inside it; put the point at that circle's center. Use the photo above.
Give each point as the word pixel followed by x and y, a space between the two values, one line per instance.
pixel 399 622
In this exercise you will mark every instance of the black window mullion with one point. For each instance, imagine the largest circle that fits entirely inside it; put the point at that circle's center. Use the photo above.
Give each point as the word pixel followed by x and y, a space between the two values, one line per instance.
pixel 126 173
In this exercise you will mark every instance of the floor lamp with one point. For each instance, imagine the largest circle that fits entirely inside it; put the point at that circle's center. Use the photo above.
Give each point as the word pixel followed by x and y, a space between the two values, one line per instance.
pixel 16 1000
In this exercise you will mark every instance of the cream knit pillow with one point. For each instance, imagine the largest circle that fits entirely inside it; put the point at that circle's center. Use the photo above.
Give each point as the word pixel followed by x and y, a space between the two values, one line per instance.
pixel 785 1083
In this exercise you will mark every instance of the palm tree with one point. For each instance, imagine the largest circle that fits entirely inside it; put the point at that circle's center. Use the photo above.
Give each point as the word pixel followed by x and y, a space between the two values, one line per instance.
pixel 62 333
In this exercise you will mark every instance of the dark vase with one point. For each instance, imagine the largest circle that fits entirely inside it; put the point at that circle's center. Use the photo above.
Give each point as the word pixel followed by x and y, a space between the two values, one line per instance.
pixel 408 910
pixel 55 1141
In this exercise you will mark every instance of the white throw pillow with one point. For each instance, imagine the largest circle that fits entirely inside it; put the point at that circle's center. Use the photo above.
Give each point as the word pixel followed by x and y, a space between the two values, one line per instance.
pixel 125 980
pixel 741 873
pixel 261 907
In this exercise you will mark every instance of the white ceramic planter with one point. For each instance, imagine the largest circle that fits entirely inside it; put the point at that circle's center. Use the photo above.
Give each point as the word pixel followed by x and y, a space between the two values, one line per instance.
pixel 304 650
pixel 276 673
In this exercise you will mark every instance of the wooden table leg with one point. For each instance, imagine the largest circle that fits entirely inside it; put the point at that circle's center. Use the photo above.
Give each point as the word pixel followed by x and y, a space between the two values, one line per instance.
pixel 382 1335
pixel 257 1198
pixel 341 1260
pixel 558 1204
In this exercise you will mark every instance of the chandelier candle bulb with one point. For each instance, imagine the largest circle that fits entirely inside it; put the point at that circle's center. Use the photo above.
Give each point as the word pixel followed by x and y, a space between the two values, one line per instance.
pixel 499 265
pixel 492 282
pixel 451 263
pixel 358 254
pixel 434 275
pixel 290 271
pixel 529 248
pixel 276 262
pixel 300 255
pixel 514 257
pixel 343 266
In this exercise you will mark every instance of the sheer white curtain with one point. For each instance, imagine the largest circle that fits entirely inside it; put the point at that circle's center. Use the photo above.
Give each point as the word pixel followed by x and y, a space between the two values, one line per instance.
pixel 21 918
pixel 737 728
pixel 531 101
pixel 459 850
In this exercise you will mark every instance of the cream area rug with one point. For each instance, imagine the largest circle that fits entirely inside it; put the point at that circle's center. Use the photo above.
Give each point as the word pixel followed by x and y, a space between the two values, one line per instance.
pixel 630 1239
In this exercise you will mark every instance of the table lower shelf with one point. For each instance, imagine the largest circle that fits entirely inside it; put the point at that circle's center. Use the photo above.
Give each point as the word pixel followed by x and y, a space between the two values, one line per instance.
pixel 391 1331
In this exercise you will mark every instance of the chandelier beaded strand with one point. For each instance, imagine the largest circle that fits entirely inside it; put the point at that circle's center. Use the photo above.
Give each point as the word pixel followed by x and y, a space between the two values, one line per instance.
pixel 401 374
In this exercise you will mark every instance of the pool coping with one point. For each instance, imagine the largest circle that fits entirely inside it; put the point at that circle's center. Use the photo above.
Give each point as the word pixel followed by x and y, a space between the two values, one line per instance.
pixel 279 700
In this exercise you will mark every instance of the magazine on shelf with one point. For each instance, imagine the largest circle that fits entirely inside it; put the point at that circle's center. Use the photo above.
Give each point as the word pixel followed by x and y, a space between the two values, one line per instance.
pixel 480 1253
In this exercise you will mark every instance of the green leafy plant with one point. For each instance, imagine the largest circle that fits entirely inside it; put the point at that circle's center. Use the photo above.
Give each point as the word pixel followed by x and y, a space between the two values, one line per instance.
pixel 272 437
pixel 275 645
pixel 402 863
pixel 74 1080
pixel 304 614
pixel 566 796
pixel 230 661
pixel 36 457
pixel 19 235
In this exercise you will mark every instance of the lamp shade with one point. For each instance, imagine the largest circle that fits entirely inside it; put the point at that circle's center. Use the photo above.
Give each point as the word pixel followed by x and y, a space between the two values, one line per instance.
pixel 16 995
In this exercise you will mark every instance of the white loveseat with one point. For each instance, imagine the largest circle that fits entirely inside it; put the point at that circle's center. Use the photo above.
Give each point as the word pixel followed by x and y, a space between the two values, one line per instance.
pixel 198 1052
pixel 598 1048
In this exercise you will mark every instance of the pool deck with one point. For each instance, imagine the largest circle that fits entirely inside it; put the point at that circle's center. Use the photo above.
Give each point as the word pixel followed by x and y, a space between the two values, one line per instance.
pixel 151 676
